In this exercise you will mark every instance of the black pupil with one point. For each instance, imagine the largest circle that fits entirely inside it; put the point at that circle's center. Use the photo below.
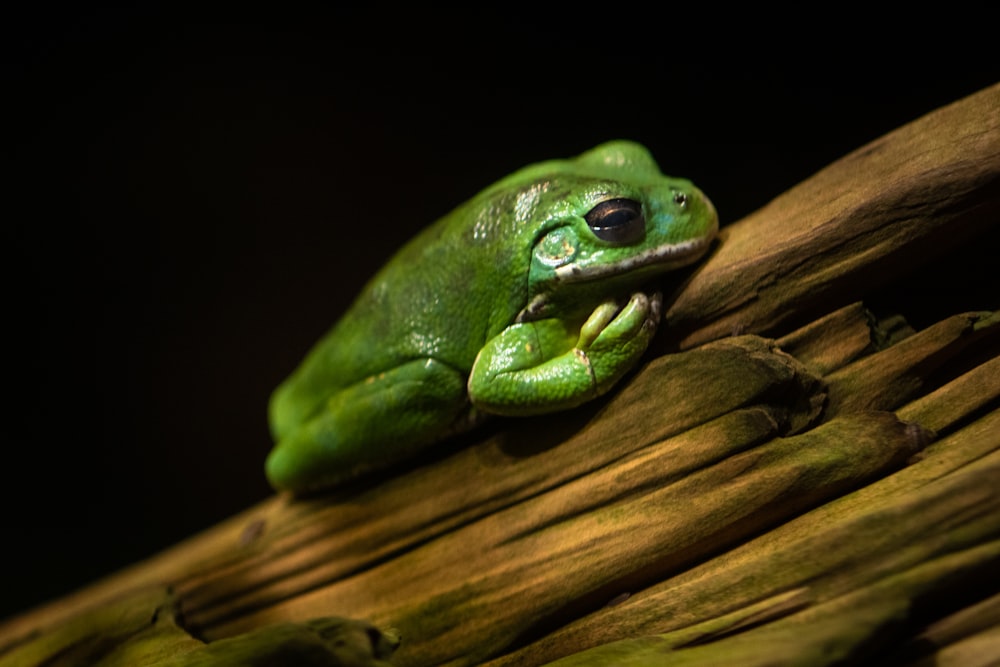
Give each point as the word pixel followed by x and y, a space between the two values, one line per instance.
pixel 617 221
pixel 617 217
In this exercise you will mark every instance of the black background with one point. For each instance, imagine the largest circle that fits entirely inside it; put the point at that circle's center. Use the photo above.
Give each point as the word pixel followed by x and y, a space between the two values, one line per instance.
pixel 195 197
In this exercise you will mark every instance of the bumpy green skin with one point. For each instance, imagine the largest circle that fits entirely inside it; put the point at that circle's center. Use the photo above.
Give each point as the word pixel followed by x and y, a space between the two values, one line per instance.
pixel 510 304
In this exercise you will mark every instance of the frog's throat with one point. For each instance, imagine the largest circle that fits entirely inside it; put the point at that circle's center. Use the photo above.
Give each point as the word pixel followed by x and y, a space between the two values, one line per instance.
pixel 664 257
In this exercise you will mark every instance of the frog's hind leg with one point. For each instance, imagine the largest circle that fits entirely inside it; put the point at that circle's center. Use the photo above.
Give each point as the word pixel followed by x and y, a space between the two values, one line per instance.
pixel 370 425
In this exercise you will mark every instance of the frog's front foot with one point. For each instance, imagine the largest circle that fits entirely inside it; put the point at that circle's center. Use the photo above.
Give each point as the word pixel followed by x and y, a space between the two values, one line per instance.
pixel 539 366
pixel 614 337
pixel 612 323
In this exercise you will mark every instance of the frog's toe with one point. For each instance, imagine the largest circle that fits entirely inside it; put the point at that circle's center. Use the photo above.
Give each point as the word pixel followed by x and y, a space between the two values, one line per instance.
pixel 309 459
pixel 287 470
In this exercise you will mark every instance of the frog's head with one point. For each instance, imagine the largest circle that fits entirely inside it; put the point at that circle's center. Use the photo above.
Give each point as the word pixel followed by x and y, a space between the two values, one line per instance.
pixel 606 222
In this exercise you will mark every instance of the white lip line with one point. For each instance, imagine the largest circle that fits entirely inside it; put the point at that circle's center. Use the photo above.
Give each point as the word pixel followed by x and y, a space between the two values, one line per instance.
pixel 572 272
pixel 684 250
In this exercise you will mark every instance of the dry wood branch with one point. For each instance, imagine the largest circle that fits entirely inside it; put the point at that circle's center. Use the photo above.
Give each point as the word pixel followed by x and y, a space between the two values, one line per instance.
pixel 141 629
pixel 945 503
pixel 967 637
pixel 886 380
pixel 832 341
pixel 958 400
pixel 865 220
pixel 574 543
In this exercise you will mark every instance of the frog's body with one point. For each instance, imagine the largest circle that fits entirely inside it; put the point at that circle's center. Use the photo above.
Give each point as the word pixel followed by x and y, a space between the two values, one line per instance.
pixel 523 300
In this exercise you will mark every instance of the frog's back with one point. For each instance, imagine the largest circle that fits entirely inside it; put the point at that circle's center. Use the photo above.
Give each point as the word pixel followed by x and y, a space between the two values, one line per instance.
pixel 445 293
pixel 428 302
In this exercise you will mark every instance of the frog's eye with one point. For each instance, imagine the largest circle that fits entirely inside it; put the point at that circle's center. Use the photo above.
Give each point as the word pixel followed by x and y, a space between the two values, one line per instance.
pixel 617 221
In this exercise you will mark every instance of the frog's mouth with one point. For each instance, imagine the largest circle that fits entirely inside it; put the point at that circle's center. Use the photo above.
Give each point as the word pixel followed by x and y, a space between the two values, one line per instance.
pixel 664 258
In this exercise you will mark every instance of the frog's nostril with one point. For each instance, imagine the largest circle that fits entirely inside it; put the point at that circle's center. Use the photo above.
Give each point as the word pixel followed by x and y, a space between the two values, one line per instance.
pixel 680 198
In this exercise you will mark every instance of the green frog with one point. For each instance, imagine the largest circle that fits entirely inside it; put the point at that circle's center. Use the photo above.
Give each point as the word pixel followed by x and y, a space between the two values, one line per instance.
pixel 529 298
